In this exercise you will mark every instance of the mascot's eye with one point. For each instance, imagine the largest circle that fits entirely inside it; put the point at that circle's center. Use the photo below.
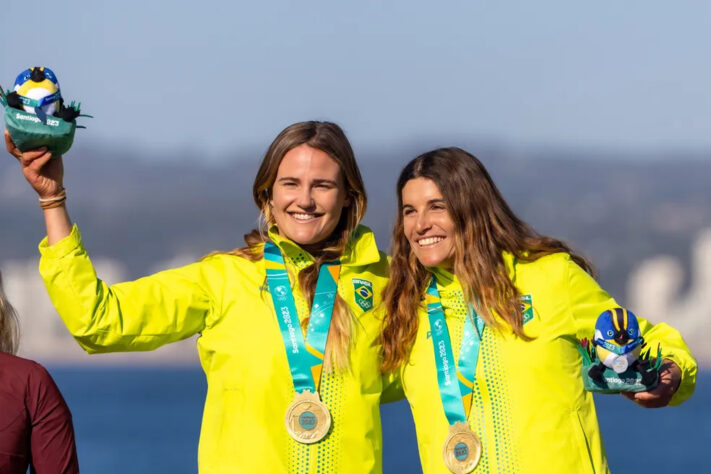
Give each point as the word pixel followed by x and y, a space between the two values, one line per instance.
pixel 630 331
pixel 610 333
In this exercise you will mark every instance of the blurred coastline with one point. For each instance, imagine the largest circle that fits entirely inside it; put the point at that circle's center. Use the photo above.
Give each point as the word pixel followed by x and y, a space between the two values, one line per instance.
pixel 645 223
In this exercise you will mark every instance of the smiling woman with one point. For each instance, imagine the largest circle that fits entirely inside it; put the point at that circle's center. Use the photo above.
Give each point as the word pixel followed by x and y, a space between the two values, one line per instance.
pixel 308 196
pixel 287 341
pixel 309 190
pixel 483 318
pixel 426 223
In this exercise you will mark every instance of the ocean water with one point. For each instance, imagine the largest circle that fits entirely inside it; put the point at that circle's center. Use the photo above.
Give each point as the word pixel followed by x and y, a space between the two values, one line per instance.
pixel 147 420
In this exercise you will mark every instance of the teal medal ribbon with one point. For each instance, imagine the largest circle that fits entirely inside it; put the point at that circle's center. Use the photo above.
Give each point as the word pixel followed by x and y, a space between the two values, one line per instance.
pixel 456 383
pixel 307 419
pixel 305 356
pixel 462 448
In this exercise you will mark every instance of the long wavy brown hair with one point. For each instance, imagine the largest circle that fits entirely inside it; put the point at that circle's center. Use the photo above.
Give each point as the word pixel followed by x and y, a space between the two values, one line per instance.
pixel 485 228
pixel 329 138
pixel 9 329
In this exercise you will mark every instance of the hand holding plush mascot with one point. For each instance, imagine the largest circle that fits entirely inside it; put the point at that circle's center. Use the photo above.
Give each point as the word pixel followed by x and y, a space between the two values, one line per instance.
pixel 36 115
pixel 614 362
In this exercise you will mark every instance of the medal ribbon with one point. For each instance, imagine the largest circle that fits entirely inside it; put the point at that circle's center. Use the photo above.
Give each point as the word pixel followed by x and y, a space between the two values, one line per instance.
pixel 305 356
pixel 456 383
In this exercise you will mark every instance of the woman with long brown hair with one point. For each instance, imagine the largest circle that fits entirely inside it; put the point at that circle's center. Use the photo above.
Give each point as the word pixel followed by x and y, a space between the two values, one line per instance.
pixel 286 336
pixel 36 428
pixel 483 318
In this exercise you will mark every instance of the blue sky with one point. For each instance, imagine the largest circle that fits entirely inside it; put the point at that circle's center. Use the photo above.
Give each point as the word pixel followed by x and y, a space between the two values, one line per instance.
pixel 221 75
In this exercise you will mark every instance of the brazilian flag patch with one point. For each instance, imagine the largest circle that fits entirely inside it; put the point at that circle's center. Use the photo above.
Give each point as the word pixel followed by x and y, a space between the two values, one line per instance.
pixel 526 308
pixel 363 290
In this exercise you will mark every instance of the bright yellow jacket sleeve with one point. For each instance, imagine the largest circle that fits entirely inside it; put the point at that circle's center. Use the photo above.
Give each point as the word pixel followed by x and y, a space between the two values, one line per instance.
pixel 134 316
pixel 588 301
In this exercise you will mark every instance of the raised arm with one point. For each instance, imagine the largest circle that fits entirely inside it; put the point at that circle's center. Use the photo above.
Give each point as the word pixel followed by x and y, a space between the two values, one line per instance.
pixel 136 315
pixel 140 315
pixel 45 174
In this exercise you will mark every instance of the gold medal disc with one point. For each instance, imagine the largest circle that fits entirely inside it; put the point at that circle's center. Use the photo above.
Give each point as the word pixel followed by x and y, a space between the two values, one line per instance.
pixel 307 418
pixel 462 449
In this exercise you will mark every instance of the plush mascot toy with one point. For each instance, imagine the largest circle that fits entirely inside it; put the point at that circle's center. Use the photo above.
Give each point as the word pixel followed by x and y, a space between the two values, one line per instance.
pixel 36 90
pixel 35 113
pixel 614 362
pixel 617 340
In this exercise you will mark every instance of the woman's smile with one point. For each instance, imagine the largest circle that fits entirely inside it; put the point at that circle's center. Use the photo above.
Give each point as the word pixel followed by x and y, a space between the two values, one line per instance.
pixel 308 196
pixel 427 224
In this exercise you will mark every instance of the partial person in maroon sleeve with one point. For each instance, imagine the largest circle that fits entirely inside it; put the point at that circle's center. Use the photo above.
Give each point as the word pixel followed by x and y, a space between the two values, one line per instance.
pixel 35 423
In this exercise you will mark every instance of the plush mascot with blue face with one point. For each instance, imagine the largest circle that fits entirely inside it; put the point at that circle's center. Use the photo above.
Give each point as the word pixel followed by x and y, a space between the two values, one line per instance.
pixel 35 113
pixel 37 91
pixel 618 344
pixel 617 339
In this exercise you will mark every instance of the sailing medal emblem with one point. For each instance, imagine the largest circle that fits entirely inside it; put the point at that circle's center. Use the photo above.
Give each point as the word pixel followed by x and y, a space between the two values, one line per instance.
pixel 307 418
pixel 462 449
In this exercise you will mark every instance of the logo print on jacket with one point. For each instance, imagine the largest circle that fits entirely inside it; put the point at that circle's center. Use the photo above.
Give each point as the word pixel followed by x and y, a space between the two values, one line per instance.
pixel 526 308
pixel 363 290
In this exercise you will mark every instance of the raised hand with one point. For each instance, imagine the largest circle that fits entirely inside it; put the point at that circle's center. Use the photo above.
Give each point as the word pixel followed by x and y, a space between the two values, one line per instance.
pixel 44 172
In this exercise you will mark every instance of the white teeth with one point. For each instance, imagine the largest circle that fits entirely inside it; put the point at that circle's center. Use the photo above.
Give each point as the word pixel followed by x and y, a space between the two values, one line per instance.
pixel 303 217
pixel 429 241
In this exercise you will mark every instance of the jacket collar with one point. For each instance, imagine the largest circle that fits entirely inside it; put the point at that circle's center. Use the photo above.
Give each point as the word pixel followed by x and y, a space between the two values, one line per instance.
pixel 446 280
pixel 361 249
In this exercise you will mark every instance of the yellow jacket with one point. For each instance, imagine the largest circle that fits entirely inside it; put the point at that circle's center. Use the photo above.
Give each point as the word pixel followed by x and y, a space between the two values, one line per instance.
pixel 225 299
pixel 529 407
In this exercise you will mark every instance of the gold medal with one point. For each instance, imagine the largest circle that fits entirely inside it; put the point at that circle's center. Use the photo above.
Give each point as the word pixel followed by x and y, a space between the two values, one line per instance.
pixel 462 449
pixel 307 418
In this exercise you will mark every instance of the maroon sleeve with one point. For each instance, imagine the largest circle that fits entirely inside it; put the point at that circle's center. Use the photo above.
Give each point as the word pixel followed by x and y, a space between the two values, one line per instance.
pixel 52 439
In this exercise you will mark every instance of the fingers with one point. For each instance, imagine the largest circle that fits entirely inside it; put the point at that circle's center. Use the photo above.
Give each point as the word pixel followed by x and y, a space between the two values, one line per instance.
pixel 671 372
pixel 643 401
pixel 28 157
pixel 37 163
pixel 10 145
pixel 661 395
pixel 25 158
pixel 31 156
pixel 651 395
pixel 658 397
